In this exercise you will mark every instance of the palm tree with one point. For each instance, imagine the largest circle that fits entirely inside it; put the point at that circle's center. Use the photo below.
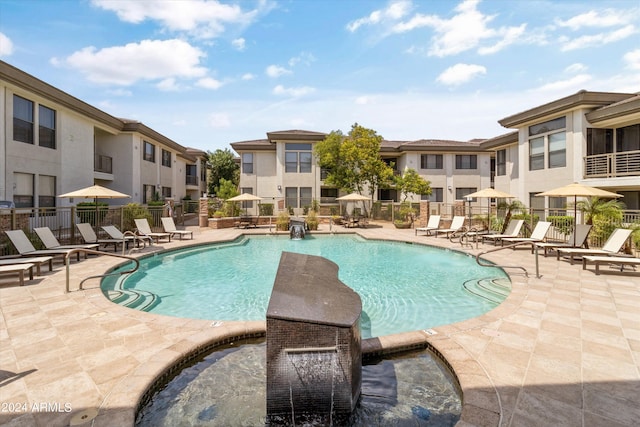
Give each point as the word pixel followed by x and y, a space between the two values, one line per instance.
pixel 510 206
pixel 604 215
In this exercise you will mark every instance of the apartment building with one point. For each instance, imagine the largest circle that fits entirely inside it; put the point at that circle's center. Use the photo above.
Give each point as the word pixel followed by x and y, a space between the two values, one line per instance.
pixel 52 143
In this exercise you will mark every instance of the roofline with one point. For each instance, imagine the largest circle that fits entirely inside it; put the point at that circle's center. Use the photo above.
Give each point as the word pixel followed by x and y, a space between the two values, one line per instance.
pixel 296 135
pixel 499 141
pixel 582 98
pixel 621 109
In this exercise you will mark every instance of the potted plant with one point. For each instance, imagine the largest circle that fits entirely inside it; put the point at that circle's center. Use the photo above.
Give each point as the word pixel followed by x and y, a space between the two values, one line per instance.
pixel 405 216
pixel 312 220
pixel 282 222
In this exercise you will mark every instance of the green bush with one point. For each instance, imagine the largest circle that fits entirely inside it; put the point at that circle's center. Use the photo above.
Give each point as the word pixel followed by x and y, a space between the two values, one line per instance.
pixel 266 209
pixel 132 211
pixel 562 223
pixel 87 212
pixel 282 222
pixel 312 220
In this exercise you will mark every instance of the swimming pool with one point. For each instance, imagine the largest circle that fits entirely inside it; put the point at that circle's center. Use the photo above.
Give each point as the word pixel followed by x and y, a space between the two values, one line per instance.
pixel 403 287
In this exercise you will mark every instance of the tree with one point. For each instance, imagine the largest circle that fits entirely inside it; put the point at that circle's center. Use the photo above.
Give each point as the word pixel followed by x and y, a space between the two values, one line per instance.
pixel 353 161
pixel 595 207
pixel 227 189
pixel 223 166
pixel 411 182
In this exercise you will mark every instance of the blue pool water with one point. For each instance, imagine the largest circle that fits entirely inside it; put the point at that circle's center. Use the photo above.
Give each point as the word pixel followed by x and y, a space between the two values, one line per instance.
pixel 403 287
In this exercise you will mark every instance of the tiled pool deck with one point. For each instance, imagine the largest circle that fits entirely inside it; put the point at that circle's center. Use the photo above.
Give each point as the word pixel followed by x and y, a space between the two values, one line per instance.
pixel 562 350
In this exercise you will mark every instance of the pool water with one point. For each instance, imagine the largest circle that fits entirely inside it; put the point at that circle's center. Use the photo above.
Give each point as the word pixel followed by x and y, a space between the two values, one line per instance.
pixel 403 287
pixel 228 388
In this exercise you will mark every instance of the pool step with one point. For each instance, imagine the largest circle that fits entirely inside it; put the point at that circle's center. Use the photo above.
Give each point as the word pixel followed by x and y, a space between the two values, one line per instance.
pixel 132 298
pixel 492 289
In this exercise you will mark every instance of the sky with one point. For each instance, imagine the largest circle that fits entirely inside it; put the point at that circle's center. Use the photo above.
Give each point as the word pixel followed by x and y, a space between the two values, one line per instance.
pixel 206 73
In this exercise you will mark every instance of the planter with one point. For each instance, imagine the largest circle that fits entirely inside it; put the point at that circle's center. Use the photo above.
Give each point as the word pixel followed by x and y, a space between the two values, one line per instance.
pixel 402 224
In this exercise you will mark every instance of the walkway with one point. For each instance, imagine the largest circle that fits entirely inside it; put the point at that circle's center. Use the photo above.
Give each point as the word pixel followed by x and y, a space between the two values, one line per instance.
pixel 562 350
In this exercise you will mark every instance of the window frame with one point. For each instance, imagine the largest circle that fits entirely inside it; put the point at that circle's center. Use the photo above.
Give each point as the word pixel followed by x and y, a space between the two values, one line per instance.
pixel 463 191
pixel 501 162
pixel 298 157
pixel 436 163
pixel 46 133
pixel 23 126
pixel 247 166
pixel 146 155
pixel 436 196
pixel 27 199
pixel 472 163
pixel 166 158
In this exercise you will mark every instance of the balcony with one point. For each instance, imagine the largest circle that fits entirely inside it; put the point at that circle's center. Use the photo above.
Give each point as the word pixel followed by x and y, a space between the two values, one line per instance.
pixel 192 180
pixel 612 165
pixel 102 164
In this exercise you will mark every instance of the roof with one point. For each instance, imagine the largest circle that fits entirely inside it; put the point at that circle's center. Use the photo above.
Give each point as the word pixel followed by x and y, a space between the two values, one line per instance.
pixel 628 108
pixel 501 140
pixel 581 99
pixel 296 135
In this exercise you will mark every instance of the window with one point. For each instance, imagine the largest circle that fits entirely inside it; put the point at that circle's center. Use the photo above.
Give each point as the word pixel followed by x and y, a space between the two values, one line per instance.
pixel 305 197
pixel 46 191
pixel 203 170
pixel 23 194
pixel 557 206
pixel 328 195
pixel 431 161
pixel 461 192
pixel 466 161
pixel 192 175
pixel 599 141
pixel 166 193
pixel 247 163
pixel 557 150
pixel 628 138
pixel 47 127
pixel 536 154
pixel 501 162
pixel 437 195
pixel 166 158
pixel 291 197
pixel 247 190
pixel 297 158
pixel 546 134
pixel 537 205
pixel 147 193
pixel 22 120
pixel 149 152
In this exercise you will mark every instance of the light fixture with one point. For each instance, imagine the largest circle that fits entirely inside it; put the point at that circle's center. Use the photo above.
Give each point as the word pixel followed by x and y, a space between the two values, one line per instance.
pixel 279 187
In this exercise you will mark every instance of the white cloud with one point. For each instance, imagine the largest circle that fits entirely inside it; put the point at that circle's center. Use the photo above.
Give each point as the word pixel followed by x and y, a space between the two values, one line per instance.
pixel 569 85
pixel 120 92
pixel 239 44
pixel 605 18
pixel 248 76
pixel 276 71
pixel 597 39
pixel 293 91
pixel 147 60
pixel 460 73
pixel 363 100
pixel 575 68
pixel 205 19
pixel 633 59
pixel 508 35
pixel 304 58
pixel 169 85
pixel 6 46
pixel 219 120
pixel 209 83
pixel 396 10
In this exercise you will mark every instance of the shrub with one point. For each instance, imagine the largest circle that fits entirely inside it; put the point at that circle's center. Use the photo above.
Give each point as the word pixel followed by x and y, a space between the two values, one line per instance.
pixel 562 223
pixel 282 222
pixel 266 209
pixel 312 220
pixel 132 211
pixel 87 212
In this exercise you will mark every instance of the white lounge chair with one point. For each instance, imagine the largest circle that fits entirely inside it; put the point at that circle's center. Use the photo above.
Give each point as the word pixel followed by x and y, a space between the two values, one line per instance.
pixel 611 247
pixel 513 229
pixel 89 236
pixel 50 242
pixel 25 248
pixel 20 269
pixel 616 260
pixel 37 261
pixel 170 227
pixel 537 235
pixel 456 224
pixel 145 229
pixel 432 224
pixel 577 239
pixel 115 233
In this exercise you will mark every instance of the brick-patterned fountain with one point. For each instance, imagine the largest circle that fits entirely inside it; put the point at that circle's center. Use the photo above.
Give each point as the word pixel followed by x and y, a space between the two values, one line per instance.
pixel 314 356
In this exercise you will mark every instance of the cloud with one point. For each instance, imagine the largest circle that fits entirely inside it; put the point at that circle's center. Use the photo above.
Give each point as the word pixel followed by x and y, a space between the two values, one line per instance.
pixel 605 18
pixel 6 46
pixel 460 73
pixel 575 68
pixel 294 92
pixel 396 10
pixel 248 76
pixel 209 83
pixel 276 71
pixel 147 60
pixel 203 19
pixel 304 58
pixel 120 92
pixel 573 84
pixel 363 100
pixel 169 85
pixel 597 40
pixel 239 44
pixel 633 59
pixel 219 120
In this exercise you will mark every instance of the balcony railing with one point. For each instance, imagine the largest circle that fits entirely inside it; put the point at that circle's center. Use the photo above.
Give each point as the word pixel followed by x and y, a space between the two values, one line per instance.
pixel 611 165
pixel 102 163
pixel 192 180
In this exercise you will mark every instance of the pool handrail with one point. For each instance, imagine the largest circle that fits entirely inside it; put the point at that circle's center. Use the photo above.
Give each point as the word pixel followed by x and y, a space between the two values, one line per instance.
pixel 91 251
pixel 501 266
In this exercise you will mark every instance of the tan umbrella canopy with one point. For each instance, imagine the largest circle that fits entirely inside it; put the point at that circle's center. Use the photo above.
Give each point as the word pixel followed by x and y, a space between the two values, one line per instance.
pixel 96 192
pixel 490 193
pixel 244 197
pixel 576 190
pixel 353 197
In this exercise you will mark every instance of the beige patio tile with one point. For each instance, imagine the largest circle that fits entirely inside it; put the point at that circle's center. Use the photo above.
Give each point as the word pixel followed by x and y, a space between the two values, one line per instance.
pixel 534 409
pixel 560 328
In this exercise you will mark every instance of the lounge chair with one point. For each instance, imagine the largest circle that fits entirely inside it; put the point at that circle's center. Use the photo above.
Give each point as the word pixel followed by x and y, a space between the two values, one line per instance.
pixel 432 224
pixel 537 235
pixel 513 229
pixel 50 242
pixel 170 227
pixel 20 269
pixel 456 224
pixel 611 247
pixel 577 239
pixel 26 249
pixel 89 236
pixel 37 261
pixel 145 229
pixel 115 233
pixel 616 260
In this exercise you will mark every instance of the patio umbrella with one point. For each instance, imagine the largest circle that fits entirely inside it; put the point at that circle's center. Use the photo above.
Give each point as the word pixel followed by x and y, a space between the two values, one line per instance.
pixel 244 197
pixel 96 192
pixel 353 197
pixel 490 193
pixel 576 190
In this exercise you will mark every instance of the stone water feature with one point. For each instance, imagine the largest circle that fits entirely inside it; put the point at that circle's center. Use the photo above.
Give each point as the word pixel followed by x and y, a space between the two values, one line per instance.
pixel 297 227
pixel 314 355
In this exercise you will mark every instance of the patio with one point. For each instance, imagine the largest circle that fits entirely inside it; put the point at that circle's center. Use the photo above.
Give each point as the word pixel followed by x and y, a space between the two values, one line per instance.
pixel 562 350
